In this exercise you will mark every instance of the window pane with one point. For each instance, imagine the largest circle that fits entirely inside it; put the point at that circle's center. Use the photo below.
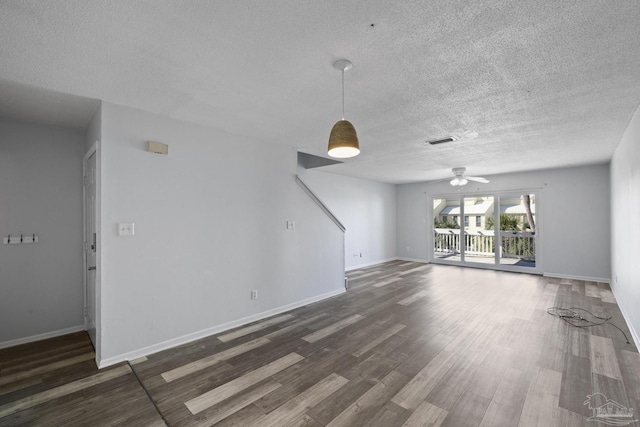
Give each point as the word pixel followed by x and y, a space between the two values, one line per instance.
pixel 446 233
pixel 517 230
pixel 479 244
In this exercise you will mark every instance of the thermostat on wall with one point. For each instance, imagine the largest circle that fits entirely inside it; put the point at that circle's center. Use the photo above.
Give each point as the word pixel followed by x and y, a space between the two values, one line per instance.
pixel 157 147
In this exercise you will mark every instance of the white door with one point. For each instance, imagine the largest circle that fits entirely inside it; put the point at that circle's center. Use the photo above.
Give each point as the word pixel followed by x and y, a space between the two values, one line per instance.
pixel 90 245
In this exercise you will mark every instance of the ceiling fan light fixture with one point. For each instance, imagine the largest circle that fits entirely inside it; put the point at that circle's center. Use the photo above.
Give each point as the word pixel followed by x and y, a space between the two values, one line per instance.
pixel 343 140
pixel 462 179
pixel 459 181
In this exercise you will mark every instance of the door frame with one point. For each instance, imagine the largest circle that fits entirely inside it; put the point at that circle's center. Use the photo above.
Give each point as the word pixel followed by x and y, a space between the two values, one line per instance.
pixel 95 149
pixel 461 195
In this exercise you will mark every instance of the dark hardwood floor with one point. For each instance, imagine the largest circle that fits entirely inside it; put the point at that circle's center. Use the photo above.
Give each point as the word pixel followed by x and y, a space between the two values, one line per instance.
pixel 408 345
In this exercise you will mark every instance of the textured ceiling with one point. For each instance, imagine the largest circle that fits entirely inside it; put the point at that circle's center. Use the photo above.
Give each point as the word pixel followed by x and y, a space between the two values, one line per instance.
pixel 543 83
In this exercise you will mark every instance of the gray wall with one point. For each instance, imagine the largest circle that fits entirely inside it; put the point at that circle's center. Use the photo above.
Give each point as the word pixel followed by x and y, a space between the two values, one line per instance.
pixel 574 220
pixel 625 225
pixel 40 192
pixel 366 208
pixel 210 226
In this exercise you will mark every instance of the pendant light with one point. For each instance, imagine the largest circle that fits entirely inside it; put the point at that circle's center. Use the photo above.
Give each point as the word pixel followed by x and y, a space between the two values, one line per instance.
pixel 343 141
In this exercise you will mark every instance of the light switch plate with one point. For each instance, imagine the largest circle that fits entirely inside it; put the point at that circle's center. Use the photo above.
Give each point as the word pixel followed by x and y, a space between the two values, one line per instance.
pixel 126 229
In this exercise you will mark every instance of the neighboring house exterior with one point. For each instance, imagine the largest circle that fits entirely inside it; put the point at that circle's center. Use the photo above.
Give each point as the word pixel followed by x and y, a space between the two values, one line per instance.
pixel 477 210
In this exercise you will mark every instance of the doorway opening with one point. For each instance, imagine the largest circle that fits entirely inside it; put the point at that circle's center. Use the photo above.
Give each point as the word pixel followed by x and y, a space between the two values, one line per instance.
pixel 90 238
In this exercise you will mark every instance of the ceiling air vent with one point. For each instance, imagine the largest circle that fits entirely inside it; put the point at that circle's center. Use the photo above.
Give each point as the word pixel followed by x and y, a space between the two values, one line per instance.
pixel 442 141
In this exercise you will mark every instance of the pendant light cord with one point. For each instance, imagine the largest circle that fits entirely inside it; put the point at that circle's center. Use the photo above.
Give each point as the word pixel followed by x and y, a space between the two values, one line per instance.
pixel 343 94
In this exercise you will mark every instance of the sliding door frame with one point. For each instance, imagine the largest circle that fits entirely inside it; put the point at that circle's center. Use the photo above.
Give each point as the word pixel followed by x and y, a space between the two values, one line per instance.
pixel 537 192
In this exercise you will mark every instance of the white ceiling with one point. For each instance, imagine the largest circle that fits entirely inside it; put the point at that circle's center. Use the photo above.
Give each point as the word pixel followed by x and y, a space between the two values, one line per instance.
pixel 543 83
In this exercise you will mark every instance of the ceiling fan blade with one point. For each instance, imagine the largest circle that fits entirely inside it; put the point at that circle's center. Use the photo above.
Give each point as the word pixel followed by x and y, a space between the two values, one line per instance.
pixel 439 180
pixel 477 179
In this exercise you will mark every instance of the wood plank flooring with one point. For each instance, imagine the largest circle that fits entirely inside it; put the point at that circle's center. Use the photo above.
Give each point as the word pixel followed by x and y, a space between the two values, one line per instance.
pixel 55 382
pixel 408 345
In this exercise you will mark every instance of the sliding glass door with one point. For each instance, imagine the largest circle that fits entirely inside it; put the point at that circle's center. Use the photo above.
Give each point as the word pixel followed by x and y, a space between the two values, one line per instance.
pixel 518 230
pixel 491 230
pixel 446 229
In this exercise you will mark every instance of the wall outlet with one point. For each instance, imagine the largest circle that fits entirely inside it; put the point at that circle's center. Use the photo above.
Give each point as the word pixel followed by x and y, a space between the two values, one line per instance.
pixel 254 294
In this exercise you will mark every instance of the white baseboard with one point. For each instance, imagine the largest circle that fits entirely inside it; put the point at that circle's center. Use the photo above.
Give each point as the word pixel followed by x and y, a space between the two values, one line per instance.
pixel 369 264
pixel 575 277
pixel 40 337
pixel 634 334
pixel 423 261
pixel 103 363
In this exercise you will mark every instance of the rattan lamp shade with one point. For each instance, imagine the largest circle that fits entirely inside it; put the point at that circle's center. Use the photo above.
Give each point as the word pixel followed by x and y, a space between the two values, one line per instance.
pixel 343 141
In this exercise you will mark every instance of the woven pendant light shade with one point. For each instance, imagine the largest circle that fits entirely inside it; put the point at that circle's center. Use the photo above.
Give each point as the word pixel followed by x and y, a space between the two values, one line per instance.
pixel 343 141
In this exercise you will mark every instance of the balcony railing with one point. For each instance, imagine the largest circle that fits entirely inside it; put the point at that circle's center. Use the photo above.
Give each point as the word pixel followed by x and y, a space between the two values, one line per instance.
pixel 515 244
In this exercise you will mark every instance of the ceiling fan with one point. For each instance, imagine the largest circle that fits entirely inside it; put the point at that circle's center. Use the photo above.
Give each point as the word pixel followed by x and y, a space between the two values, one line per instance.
pixel 462 179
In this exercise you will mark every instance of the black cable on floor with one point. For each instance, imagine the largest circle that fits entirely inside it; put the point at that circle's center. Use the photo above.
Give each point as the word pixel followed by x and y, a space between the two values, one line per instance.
pixel 147 392
pixel 572 317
